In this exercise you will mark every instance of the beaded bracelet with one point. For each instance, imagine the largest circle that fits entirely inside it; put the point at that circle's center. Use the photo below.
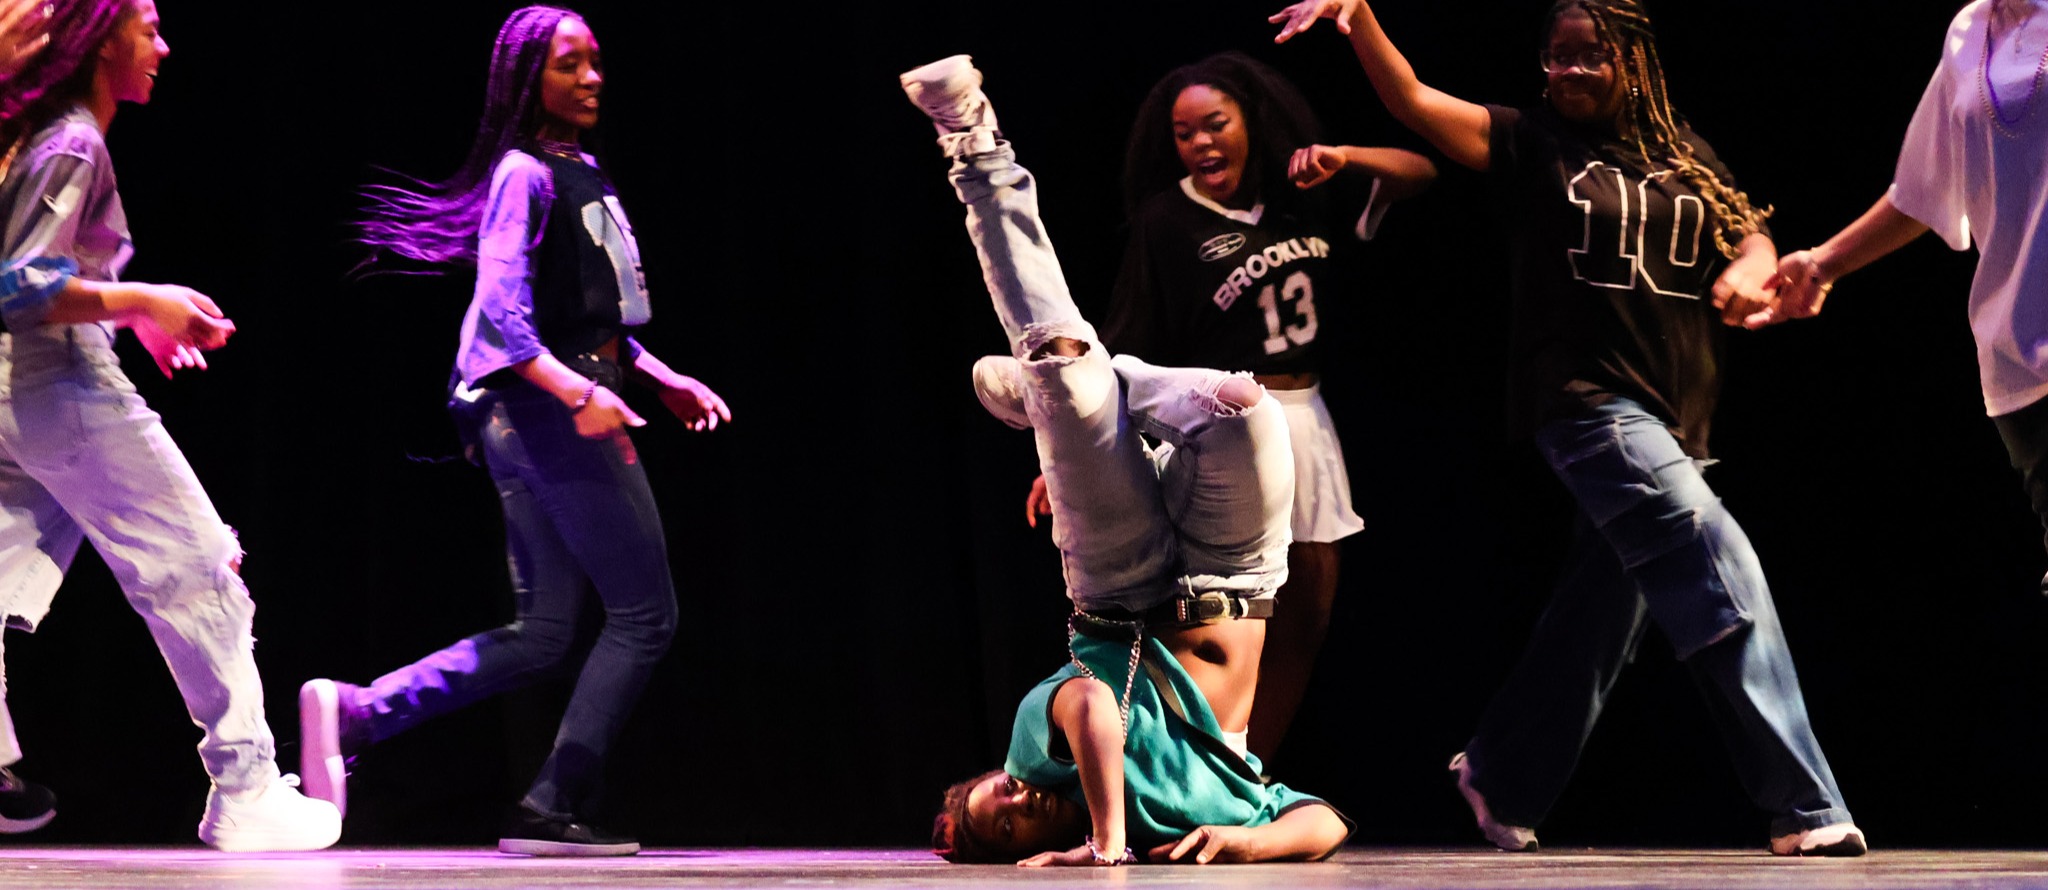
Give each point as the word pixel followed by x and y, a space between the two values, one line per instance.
pixel 1096 852
pixel 588 391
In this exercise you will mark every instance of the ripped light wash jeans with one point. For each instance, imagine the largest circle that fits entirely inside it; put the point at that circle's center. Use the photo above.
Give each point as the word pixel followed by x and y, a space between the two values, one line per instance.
pixel 1653 544
pixel 81 457
pixel 1206 508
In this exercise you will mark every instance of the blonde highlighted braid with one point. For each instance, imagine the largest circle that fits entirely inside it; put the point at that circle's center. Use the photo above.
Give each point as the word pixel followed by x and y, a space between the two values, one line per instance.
pixel 1624 27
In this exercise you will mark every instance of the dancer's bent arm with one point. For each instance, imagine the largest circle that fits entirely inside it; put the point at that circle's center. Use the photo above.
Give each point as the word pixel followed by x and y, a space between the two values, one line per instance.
pixel 1305 833
pixel 1806 276
pixel 1402 174
pixel 1085 710
pixel 40 286
pixel 1458 128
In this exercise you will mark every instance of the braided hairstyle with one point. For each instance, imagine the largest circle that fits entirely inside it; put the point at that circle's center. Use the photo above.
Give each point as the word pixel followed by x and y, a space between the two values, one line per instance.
pixel 1624 28
pixel 437 222
pixel 60 72
pixel 952 837
pixel 1276 118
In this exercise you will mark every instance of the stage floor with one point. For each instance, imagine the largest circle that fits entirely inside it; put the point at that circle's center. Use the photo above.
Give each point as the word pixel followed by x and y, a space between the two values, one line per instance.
pixel 169 868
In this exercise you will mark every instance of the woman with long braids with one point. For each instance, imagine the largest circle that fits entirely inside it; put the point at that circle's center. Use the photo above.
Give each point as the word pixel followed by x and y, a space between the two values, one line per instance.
pixel 82 457
pixel 544 349
pixel 1620 218
pixel 1172 553
pixel 1230 250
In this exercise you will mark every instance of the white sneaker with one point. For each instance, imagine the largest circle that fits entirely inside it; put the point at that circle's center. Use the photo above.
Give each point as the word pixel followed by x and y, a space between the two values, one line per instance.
pixel 1839 839
pixel 949 92
pixel 328 731
pixel 1512 838
pixel 999 384
pixel 273 818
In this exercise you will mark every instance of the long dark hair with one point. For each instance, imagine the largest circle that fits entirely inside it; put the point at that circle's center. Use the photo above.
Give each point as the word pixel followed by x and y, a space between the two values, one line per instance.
pixel 61 72
pixel 1276 118
pixel 436 222
pixel 1624 27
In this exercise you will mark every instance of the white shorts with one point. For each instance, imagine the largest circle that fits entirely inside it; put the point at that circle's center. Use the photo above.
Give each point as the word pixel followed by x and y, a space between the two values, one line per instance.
pixel 1322 489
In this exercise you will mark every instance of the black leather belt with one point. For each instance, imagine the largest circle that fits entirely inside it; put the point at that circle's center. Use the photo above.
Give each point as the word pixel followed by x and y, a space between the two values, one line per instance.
pixel 1188 611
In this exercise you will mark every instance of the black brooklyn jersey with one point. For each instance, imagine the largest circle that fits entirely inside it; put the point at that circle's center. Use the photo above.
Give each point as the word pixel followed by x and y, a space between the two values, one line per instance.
pixel 1200 289
pixel 1614 262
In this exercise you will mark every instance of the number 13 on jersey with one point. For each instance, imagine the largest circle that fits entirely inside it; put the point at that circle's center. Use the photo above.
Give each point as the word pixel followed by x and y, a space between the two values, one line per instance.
pixel 1299 291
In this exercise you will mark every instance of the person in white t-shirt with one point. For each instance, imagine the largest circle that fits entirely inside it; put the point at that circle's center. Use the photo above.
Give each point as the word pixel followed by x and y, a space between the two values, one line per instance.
pixel 1970 171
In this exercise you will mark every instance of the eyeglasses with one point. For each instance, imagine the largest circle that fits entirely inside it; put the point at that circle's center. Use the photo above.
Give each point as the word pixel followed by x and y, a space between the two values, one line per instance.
pixel 1588 61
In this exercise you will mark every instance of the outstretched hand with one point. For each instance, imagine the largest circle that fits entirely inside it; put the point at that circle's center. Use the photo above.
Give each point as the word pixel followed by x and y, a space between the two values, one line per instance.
pixel 1314 165
pixel 694 404
pixel 1802 290
pixel 1297 18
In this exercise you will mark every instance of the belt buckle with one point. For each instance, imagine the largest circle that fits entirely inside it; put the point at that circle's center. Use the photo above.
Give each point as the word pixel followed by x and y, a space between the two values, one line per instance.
pixel 1206 608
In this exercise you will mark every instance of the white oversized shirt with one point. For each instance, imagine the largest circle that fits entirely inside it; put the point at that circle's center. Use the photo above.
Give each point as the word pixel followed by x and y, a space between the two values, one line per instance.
pixel 1969 182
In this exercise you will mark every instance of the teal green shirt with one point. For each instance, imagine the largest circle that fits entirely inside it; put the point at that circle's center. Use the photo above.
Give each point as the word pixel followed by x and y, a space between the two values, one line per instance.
pixel 1178 773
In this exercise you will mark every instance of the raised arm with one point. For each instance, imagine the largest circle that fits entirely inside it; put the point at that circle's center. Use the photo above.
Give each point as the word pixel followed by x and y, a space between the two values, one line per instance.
pixel 1806 276
pixel 1458 128
pixel 1305 833
pixel 1085 710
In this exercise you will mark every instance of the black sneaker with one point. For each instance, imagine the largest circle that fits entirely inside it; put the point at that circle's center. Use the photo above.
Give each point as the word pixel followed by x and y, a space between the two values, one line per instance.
pixel 533 834
pixel 24 805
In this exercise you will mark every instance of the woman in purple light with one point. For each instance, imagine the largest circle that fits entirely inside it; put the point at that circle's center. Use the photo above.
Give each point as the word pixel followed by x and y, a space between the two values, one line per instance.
pixel 544 349
pixel 81 456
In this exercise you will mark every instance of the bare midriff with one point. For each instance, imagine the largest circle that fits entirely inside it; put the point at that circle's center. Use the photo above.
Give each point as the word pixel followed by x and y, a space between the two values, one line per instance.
pixel 1287 381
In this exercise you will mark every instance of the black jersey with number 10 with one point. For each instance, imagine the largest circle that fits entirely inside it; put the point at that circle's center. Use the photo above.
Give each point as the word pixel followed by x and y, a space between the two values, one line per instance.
pixel 1201 289
pixel 1614 263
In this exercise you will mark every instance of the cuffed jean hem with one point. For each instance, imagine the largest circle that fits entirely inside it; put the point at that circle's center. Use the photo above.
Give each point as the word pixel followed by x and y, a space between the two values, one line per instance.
pixel 1798 822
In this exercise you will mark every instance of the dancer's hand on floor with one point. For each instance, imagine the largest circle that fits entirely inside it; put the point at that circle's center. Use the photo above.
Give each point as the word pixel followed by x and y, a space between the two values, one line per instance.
pixel 1080 855
pixel 1210 843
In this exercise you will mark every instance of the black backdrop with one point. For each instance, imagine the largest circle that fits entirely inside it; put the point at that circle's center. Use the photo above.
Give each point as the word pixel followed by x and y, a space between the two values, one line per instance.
pixel 863 603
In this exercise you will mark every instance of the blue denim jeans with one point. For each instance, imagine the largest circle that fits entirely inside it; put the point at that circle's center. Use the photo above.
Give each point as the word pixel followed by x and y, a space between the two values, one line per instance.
pixel 1652 545
pixel 1205 509
pixel 578 518
pixel 82 457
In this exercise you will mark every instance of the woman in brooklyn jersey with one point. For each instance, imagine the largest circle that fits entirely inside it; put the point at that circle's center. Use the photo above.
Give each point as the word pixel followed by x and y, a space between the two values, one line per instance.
pixel 1229 253
pixel 544 348
pixel 1621 218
